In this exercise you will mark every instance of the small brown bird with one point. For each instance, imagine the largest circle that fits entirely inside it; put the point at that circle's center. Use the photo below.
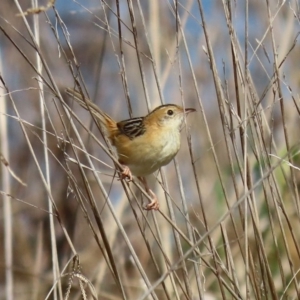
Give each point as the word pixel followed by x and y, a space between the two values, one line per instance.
pixel 143 144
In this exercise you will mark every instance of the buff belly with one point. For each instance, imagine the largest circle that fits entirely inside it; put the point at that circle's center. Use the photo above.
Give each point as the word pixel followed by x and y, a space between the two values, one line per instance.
pixel 148 158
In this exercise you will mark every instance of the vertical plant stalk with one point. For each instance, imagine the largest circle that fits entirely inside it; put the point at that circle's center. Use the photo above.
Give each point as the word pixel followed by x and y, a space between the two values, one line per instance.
pixel 6 186
pixel 244 146
pixel 55 265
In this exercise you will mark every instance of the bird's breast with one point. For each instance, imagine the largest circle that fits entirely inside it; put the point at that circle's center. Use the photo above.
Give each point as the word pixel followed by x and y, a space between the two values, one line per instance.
pixel 145 154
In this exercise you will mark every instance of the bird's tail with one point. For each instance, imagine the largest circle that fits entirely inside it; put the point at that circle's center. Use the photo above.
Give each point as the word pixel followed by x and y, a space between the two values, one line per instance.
pixel 106 122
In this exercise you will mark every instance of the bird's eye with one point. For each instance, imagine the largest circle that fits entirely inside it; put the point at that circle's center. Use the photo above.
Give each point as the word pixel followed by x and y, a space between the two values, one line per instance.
pixel 170 112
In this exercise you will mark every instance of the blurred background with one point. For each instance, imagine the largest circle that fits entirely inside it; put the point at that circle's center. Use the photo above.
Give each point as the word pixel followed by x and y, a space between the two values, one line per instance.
pixel 229 202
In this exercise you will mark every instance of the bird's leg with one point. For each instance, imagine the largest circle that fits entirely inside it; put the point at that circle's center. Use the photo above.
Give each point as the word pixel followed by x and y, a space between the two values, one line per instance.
pixel 154 202
pixel 126 173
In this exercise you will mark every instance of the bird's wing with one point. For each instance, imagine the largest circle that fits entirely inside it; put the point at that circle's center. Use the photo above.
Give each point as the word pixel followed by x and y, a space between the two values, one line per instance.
pixel 132 127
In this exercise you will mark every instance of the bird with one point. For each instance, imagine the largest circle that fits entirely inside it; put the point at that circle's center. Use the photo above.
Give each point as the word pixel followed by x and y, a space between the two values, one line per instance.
pixel 143 144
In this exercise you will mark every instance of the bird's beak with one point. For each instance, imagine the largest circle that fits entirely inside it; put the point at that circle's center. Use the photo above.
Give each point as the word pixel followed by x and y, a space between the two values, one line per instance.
pixel 189 110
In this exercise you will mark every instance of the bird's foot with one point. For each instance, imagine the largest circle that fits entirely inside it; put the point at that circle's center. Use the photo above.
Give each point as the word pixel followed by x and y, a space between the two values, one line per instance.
pixel 126 174
pixel 153 205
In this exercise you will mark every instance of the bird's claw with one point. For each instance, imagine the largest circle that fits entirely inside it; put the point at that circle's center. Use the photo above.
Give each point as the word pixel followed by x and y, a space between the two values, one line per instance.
pixel 126 174
pixel 153 205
